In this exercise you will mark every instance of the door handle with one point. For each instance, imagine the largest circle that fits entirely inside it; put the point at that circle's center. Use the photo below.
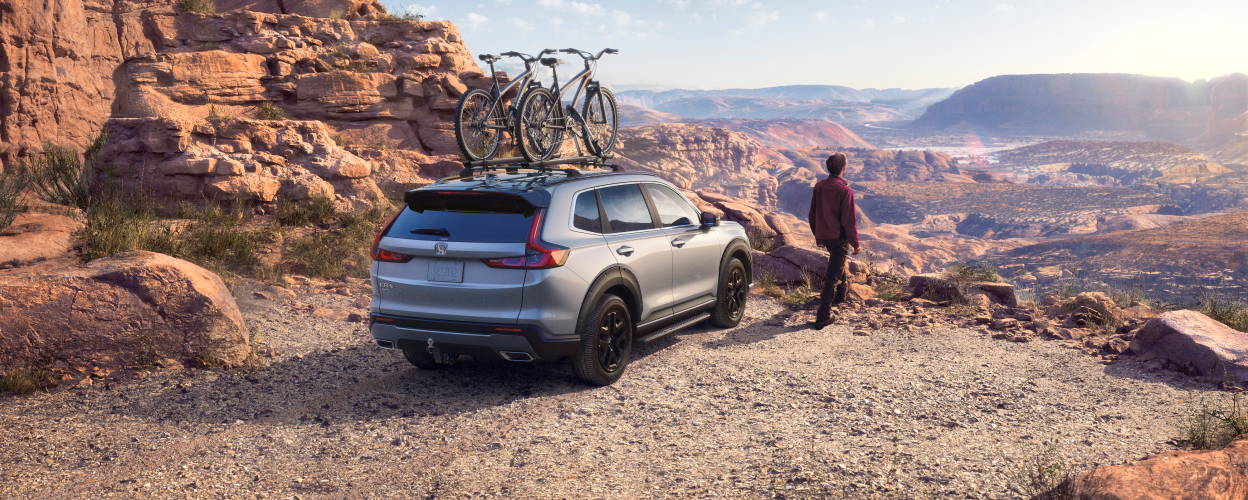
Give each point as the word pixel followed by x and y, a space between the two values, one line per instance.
pixel 678 243
pixel 625 250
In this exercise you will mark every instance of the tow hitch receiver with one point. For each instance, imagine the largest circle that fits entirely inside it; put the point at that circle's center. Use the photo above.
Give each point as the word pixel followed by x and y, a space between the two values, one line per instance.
pixel 438 357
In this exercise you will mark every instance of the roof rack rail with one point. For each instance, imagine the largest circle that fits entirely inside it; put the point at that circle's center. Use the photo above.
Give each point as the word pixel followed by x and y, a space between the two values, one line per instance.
pixel 512 164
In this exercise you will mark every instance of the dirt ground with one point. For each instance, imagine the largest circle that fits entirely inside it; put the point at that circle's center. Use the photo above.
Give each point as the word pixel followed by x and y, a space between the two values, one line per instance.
pixel 765 408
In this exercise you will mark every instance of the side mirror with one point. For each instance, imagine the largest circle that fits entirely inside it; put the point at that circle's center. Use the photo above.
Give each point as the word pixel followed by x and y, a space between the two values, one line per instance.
pixel 709 219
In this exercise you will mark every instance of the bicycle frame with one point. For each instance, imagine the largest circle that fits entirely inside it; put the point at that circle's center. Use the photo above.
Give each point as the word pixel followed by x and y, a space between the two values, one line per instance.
pixel 584 77
pixel 523 79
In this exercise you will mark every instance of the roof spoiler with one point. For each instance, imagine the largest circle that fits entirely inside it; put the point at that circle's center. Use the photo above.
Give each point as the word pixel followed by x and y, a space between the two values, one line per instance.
pixel 419 200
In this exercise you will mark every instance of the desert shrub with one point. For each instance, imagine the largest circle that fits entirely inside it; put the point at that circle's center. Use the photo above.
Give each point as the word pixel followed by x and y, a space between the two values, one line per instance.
pixel 1231 311
pixel 215 115
pixel 198 6
pixel 341 140
pixel 891 287
pixel 317 210
pixel 337 253
pixel 23 381
pixel 12 184
pixel 375 39
pixel 974 271
pixel 122 223
pixel 57 175
pixel 406 15
pixel 360 67
pixel 1046 475
pixel 205 46
pixel 267 111
pixel 335 14
pixel 339 52
pixel 1210 427
pixel 767 283
pixel 801 294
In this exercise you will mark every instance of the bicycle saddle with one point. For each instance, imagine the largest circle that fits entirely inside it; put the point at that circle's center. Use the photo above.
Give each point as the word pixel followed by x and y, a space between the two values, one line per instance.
pixel 488 58
pixel 550 61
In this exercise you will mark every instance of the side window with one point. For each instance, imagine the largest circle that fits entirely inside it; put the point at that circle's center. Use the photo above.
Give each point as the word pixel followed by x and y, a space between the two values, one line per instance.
pixel 673 209
pixel 626 209
pixel 585 213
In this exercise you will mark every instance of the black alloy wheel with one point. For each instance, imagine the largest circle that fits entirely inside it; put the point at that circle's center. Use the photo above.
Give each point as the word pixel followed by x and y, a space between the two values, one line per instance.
pixel 734 292
pixel 606 343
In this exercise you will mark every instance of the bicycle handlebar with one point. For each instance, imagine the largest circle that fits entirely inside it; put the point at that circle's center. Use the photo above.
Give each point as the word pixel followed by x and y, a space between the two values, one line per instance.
pixel 584 54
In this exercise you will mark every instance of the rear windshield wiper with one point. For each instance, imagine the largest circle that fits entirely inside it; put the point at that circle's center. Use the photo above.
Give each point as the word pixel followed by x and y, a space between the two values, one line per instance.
pixel 433 232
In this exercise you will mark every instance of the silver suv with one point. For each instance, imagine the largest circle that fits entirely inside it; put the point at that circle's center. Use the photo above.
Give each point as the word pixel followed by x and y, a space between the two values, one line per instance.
pixel 541 265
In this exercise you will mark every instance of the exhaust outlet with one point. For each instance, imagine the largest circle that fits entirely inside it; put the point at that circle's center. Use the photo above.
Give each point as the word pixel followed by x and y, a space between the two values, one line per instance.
pixel 385 344
pixel 516 356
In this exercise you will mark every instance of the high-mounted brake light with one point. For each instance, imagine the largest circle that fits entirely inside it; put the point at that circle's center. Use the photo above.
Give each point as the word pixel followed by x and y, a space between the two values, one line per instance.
pixel 385 255
pixel 537 254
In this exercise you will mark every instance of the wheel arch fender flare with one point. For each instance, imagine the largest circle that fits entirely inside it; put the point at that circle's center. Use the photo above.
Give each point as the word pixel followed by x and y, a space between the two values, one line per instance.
pixel 740 249
pixel 613 278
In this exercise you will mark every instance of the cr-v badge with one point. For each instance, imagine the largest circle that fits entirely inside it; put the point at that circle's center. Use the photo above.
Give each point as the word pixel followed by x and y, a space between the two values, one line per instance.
pixel 439 249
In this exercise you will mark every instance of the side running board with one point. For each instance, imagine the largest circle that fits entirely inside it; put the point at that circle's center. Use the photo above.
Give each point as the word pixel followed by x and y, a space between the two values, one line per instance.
pixel 672 329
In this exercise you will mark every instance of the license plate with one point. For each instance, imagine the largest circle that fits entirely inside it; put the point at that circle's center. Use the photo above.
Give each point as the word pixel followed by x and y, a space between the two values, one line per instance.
pixel 451 272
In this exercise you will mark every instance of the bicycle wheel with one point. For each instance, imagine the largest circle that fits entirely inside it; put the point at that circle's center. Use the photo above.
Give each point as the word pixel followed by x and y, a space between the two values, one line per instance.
pixel 473 116
pixel 539 131
pixel 601 121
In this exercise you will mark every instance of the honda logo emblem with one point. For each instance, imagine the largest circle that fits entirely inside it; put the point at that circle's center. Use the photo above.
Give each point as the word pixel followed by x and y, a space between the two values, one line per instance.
pixel 439 249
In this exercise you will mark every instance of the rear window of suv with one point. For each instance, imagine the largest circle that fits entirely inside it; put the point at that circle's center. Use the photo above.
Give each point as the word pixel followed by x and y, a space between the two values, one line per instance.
pixel 465 218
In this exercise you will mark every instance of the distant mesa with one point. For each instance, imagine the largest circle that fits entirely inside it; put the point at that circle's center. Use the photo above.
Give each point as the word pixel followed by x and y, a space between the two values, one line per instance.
pixel 832 102
pixel 1073 103
pixel 1107 163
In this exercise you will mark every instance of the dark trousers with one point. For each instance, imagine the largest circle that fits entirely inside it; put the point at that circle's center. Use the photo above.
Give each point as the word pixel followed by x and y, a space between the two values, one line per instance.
pixel 836 282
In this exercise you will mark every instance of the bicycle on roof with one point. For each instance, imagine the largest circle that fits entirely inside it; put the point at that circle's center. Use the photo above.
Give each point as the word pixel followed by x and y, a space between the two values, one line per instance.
pixel 542 118
pixel 480 119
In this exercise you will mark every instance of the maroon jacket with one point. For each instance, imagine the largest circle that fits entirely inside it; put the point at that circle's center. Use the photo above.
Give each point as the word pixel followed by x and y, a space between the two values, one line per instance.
pixel 831 210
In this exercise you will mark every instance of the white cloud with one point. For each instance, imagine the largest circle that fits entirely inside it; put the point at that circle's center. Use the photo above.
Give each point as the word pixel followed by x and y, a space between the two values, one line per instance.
pixel 477 20
pixel 697 18
pixel 716 3
pixel 820 18
pixel 556 21
pixel 1003 7
pixel 736 32
pixel 429 12
pixel 620 17
pixel 550 3
pixel 898 20
pixel 761 18
pixel 519 26
pixel 587 9
pixel 504 2
pixel 678 4
pixel 868 24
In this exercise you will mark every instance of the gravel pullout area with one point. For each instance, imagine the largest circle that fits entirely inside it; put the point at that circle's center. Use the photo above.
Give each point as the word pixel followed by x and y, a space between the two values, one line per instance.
pixel 938 412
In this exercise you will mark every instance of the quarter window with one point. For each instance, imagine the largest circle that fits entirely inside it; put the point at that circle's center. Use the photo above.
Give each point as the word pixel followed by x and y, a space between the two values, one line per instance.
pixel 672 208
pixel 585 215
pixel 626 208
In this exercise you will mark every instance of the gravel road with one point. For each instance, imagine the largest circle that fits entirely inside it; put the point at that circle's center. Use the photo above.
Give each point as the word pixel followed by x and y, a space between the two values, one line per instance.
pixel 769 406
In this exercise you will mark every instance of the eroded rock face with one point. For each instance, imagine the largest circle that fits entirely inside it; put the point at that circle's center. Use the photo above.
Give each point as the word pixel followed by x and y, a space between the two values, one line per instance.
pixel 36 237
pixel 720 160
pixel 127 309
pixel 937 288
pixel 1212 475
pixel 1197 343
pixel 1229 113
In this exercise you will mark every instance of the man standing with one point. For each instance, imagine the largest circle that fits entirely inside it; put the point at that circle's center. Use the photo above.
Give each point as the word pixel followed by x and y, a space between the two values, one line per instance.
pixel 832 220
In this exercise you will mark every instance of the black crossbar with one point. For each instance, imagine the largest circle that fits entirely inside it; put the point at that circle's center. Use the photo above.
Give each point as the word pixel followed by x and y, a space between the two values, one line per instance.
pixel 517 163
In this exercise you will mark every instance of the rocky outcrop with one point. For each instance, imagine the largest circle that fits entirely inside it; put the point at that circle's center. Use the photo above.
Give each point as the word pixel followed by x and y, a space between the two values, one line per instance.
pixel 878 164
pixel 1197 343
pixel 1208 475
pixel 345 9
pixel 790 132
pixel 1228 115
pixel 939 288
pixel 130 309
pixel 37 237
pixel 58 68
pixel 709 159
pixel 1072 103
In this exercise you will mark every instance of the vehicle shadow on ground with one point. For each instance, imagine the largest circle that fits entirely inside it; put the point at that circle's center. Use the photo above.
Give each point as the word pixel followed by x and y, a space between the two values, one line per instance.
pixel 349 385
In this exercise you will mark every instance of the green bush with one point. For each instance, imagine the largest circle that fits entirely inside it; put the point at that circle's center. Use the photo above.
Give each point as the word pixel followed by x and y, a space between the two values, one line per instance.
pixel 1231 311
pixel 267 111
pixel 337 253
pixel 1211 428
pixel 125 223
pixel 23 381
pixel 317 210
pixel 198 6
pixel 216 115
pixel 974 271
pixel 12 184
pixel 58 175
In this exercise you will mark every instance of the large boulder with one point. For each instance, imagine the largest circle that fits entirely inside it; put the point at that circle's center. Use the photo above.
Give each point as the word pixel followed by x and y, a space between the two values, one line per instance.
pixel 36 237
pixel 938 288
pixel 1196 342
pixel 1207 475
pixel 129 309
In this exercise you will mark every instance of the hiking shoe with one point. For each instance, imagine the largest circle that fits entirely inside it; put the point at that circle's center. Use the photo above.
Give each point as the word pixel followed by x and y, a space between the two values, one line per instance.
pixel 818 325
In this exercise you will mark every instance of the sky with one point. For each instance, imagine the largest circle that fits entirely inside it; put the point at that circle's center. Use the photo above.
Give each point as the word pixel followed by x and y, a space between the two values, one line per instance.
pixel 714 44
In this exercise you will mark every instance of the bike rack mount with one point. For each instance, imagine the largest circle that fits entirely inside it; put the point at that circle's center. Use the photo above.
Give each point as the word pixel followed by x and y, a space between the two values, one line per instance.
pixel 542 166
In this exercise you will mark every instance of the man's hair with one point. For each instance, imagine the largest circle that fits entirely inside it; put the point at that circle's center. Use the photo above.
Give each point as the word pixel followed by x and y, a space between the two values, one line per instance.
pixel 836 164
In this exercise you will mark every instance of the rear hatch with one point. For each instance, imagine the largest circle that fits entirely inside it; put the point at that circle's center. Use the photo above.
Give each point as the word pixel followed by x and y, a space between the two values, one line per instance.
pixel 444 239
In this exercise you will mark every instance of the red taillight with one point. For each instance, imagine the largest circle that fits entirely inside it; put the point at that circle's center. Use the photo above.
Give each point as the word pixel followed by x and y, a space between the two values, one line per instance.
pixel 536 253
pixel 386 255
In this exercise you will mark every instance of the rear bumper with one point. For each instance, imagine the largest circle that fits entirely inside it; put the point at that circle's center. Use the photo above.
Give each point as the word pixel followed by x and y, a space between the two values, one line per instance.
pixel 479 340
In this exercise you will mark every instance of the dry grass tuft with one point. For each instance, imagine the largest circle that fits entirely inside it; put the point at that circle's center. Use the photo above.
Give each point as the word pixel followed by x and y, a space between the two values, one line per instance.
pixel 198 6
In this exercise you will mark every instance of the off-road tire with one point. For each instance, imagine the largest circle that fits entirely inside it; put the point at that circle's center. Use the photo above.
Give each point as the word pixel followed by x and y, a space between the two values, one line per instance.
pixel 534 141
pixel 422 359
pixel 601 363
pixel 464 131
pixel 734 290
pixel 600 99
